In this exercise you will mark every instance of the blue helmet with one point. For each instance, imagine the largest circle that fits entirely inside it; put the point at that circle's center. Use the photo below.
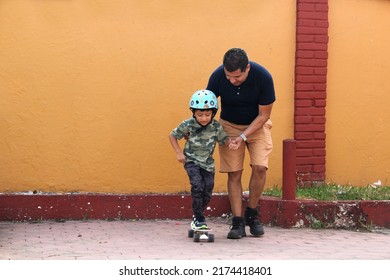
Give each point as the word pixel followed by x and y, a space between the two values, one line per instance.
pixel 204 100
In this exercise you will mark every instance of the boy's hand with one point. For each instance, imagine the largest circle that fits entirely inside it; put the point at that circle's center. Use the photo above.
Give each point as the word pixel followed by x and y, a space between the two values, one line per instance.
pixel 181 158
pixel 233 145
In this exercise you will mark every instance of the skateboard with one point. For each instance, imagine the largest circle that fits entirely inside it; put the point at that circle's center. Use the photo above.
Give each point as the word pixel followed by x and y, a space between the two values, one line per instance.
pixel 201 235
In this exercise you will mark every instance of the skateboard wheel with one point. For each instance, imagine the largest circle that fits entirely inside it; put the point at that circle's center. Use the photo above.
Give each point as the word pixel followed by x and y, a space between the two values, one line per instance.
pixel 196 237
pixel 190 233
pixel 211 238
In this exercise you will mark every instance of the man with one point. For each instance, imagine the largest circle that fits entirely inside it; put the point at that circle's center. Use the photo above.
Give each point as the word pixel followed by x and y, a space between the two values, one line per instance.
pixel 247 94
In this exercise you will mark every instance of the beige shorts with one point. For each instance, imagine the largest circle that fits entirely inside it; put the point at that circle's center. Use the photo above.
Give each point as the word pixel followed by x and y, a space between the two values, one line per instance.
pixel 259 145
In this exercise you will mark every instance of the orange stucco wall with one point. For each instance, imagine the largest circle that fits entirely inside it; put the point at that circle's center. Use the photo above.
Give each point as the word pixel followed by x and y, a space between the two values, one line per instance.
pixel 89 90
pixel 358 118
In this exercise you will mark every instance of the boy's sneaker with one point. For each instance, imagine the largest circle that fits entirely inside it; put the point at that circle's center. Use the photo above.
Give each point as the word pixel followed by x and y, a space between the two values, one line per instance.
pixel 199 223
pixel 252 220
pixel 237 229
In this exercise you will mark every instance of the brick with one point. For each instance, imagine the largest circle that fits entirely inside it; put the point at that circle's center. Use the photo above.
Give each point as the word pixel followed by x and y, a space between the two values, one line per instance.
pixel 301 70
pixel 321 7
pixel 310 111
pixel 303 119
pixel 321 54
pixel 309 94
pixel 319 136
pixel 303 103
pixel 321 39
pixel 320 102
pixel 320 70
pixel 311 78
pixel 312 46
pixel 305 168
pixel 308 30
pixel 311 62
pixel 318 119
pixel 322 23
pixel 317 176
pixel 309 127
pixel 310 144
pixel 320 87
pixel 304 153
pixel 313 1
pixel 317 15
pixel 306 54
pixel 306 6
pixel 311 160
pixel 303 176
pixel 306 22
pixel 299 87
pixel 319 152
pixel 305 38
pixel 319 168
pixel 303 135
pixel 307 180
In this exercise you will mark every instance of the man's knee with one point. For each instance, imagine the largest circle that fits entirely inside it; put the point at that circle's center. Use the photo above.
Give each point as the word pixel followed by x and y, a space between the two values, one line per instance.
pixel 235 176
pixel 259 168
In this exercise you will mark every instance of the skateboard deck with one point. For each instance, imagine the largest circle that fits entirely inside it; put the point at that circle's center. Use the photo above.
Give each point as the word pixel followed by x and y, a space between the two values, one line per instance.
pixel 201 235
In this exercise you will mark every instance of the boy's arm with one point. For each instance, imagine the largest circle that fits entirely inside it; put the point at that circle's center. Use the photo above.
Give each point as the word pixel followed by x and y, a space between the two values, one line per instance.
pixel 227 141
pixel 179 153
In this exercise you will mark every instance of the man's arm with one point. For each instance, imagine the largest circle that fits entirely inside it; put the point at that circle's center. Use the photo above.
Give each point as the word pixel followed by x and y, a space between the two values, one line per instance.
pixel 258 122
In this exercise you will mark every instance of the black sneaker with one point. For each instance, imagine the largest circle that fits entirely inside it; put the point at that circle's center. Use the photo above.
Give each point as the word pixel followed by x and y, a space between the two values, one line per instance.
pixel 237 230
pixel 252 220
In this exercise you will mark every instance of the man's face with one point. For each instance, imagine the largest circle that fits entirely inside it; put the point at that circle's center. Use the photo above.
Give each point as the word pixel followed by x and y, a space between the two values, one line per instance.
pixel 237 77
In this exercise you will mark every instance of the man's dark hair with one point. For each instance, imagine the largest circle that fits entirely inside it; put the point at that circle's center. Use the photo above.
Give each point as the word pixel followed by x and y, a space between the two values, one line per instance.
pixel 235 59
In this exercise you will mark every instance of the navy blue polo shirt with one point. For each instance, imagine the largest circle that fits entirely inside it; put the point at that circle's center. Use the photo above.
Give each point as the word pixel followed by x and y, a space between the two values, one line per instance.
pixel 240 104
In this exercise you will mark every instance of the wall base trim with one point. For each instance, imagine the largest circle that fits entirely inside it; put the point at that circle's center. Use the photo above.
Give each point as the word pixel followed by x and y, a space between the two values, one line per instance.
pixel 274 211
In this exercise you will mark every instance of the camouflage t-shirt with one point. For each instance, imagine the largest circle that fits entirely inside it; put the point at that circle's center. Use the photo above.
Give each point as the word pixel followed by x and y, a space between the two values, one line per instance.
pixel 200 145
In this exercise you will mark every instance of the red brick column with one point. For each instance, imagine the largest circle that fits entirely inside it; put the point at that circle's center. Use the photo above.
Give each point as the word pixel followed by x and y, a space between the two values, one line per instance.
pixel 311 60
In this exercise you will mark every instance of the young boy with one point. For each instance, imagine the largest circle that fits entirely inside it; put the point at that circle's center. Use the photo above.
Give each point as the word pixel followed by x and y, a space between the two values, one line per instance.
pixel 202 133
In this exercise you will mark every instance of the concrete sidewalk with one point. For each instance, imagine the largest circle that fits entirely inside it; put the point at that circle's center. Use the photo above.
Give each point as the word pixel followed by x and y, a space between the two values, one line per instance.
pixel 168 240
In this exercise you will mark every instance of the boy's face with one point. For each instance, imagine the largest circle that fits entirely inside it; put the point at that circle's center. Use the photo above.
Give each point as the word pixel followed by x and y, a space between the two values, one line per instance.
pixel 203 117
